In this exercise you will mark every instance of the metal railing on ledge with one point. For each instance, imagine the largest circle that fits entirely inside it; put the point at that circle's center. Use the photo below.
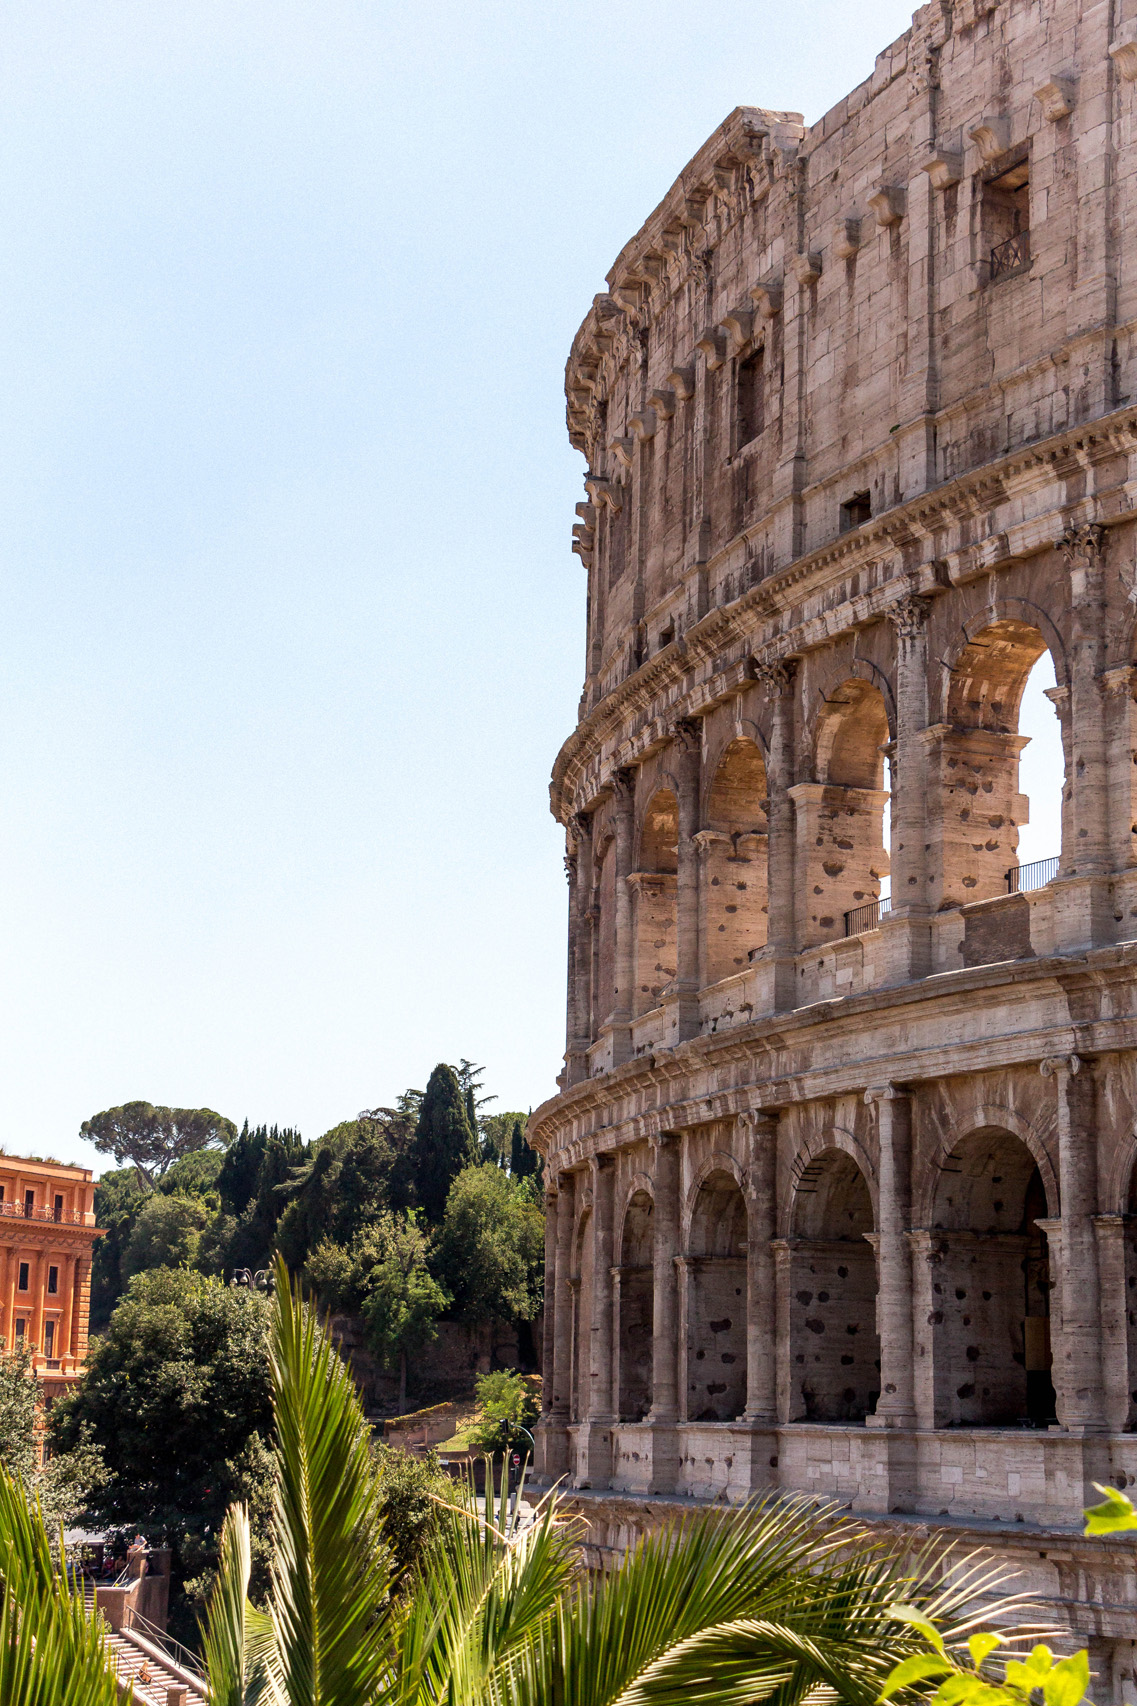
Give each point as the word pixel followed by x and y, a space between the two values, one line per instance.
pixel 21 1211
pixel 866 917
pixel 1036 875
pixel 1010 257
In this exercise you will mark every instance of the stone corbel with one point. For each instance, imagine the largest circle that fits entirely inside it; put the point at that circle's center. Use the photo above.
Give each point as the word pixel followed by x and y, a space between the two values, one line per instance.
pixel 621 449
pixel 695 207
pixel 888 203
pixel 712 342
pixel 1055 97
pixel 583 535
pixel 604 491
pixel 663 402
pixel 767 297
pixel 944 168
pixel 682 379
pixel 629 295
pixel 992 137
pixel 1123 51
pixel 846 238
pixel 738 323
pixel 644 423
pixel 807 268
pixel 587 514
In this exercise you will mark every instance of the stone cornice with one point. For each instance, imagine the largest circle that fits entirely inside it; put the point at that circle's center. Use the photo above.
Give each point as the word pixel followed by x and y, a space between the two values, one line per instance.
pixel 692 674
pixel 661 1081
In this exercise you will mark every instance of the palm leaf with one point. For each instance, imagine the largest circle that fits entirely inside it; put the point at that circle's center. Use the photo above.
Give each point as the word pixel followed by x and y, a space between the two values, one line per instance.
pixel 51 1652
pixel 328 1572
pixel 233 1640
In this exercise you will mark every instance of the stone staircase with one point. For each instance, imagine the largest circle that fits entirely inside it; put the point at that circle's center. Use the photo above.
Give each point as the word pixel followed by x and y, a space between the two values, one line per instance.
pixel 156 1677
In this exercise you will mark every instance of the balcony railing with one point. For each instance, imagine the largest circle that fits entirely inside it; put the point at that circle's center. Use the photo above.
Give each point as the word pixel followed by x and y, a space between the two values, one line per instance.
pixel 1010 257
pixel 1036 875
pixel 867 917
pixel 22 1211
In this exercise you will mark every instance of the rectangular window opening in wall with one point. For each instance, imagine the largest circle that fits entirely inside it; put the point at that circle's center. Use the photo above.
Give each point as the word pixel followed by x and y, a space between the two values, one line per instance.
pixel 49 1339
pixel 856 511
pixel 22 1281
pixel 750 397
pixel 53 1281
pixel 29 1203
pixel 1005 218
pixel 20 1324
pixel 59 1208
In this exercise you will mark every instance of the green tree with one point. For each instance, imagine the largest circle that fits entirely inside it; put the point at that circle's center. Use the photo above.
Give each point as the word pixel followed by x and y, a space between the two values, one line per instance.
pixel 166 1234
pixel 119 1199
pixel 491 1247
pixel 444 1141
pixel 410 1490
pixel 403 1300
pixel 176 1393
pixel 252 1186
pixel 340 1185
pixel 19 1399
pixel 152 1139
pixel 524 1163
pixel 495 1132
pixel 507 1410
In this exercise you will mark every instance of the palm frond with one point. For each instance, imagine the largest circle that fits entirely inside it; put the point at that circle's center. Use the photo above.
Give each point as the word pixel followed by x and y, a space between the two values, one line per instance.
pixel 329 1570
pixel 51 1651
pixel 225 1638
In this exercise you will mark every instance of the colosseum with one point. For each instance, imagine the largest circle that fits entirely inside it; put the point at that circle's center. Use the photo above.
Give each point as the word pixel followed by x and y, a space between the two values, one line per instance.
pixel 842 1172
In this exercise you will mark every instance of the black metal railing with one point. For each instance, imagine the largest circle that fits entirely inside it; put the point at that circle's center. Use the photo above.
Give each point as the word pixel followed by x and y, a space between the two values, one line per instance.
pixel 28 1211
pixel 1036 875
pixel 1010 257
pixel 867 917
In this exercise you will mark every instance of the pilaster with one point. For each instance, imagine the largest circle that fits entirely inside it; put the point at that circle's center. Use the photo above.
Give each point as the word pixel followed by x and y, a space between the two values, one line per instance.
pixel 777 682
pixel 896 1406
pixel 1077 1371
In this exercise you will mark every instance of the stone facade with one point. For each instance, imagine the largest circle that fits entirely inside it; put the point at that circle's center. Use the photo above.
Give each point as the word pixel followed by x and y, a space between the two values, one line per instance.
pixel 47 1237
pixel 842 1194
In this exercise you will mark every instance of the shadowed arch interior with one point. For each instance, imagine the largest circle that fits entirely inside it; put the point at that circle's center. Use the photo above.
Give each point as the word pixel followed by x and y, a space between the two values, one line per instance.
pixel 989 1279
pixel 635 1309
pixel 716 1302
pixel 733 848
pixel 834 1350
pixel 653 888
pixel 841 816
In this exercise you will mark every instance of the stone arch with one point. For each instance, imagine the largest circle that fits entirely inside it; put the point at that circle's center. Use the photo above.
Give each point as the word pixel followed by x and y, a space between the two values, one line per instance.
pixel 718 1161
pixel 715 1293
pixel 1008 612
pixel 987 1283
pixel 582 1285
pixel 733 844
pixel 834 1351
pixel 841 816
pixel 977 1117
pixel 811 1148
pixel 842 669
pixel 653 887
pixel 636 1302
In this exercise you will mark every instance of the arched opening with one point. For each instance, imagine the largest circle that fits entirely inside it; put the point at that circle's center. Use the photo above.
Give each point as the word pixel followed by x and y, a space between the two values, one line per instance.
pixel 582 1287
pixel 834 1349
pixel 733 889
pixel 653 886
pixel 604 938
pixel 841 818
pixel 716 1302
pixel 636 1305
pixel 990 1287
pixel 979 798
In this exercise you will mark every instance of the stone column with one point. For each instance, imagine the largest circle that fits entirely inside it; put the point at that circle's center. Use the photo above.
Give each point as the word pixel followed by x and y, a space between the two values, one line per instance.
pixel 1121 737
pixel 761 1132
pixel 624 797
pixel 598 1447
pixel 67 1266
pixel 38 1287
pixel 578 863
pixel 664 1412
pixel 783 1280
pixel 777 681
pixel 1085 912
pixel 614 1374
pixel 908 927
pixel 1110 1232
pixel 1077 1372
pixel 926 1257
pixel 896 1406
pixel 688 737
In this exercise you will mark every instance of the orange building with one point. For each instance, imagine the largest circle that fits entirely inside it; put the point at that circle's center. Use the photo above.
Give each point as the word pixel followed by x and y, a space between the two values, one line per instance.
pixel 47 1235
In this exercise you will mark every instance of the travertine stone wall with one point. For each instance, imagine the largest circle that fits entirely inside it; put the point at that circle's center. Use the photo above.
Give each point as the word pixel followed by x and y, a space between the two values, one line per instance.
pixel 859 412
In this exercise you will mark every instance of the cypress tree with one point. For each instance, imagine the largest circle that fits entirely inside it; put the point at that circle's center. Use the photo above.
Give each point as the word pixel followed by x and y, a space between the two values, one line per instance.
pixel 522 1159
pixel 443 1143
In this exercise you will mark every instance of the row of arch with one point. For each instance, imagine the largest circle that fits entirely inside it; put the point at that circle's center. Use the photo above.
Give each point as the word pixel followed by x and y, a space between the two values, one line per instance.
pixel 842 820
pixel 982 1288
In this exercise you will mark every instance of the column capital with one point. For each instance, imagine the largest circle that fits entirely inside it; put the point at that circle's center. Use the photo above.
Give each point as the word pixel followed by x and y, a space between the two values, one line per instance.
pixel 579 826
pixel 687 733
pixel 885 1093
pixel 1055 1065
pixel 775 676
pixel 909 614
pixel 1083 546
pixel 623 785
pixel 754 1119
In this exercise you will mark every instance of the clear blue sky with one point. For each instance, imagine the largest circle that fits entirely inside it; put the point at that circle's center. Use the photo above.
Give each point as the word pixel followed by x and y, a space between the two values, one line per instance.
pixel 289 626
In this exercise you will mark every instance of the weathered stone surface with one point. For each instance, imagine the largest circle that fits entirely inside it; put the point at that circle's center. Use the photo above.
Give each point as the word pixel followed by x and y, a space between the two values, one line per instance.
pixel 886 1153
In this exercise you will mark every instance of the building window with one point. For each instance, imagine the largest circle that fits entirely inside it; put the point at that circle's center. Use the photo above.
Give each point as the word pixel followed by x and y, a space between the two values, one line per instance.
pixel 53 1282
pixel 29 1203
pixel 19 1328
pixel 59 1208
pixel 856 511
pixel 49 1338
pixel 1005 218
pixel 22 1282
pixel 750 397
